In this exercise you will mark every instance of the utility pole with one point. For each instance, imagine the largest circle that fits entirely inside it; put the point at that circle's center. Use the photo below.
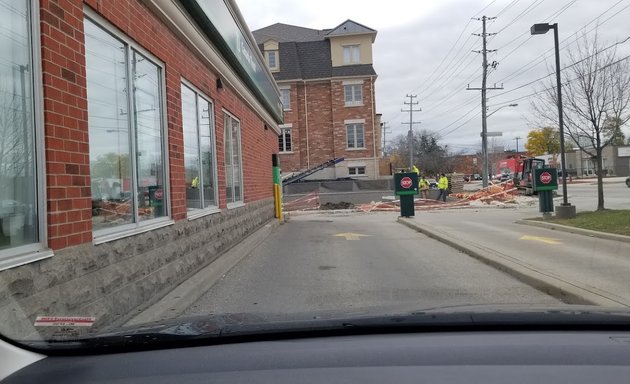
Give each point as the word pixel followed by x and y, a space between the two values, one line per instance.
pixel 485 172
pixel 385 131
pixel 411 103
pixel 517 139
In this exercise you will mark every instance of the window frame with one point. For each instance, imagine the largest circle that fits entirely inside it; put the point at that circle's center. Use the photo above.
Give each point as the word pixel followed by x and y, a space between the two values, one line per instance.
pixel 276 56
pixel 353 48
pixel 203 211
pixel 288 92
pixel 28 253
pixel 353 124
pixel 283 129
pixel 353 86
pixel 356 169
pixel 241 201
pixel 103 235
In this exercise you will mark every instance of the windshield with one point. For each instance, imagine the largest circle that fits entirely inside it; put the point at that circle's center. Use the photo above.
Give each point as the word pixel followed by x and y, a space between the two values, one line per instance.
pixel 279 163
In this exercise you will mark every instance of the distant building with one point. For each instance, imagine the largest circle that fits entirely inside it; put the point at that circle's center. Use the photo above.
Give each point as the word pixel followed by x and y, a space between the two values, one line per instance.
pixel 326 80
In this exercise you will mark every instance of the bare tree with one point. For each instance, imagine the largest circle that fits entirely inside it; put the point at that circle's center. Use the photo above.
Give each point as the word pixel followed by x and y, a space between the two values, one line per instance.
pixel 596 90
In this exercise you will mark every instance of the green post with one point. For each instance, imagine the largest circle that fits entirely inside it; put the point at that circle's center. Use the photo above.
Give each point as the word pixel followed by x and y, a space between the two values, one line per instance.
pixel 406 186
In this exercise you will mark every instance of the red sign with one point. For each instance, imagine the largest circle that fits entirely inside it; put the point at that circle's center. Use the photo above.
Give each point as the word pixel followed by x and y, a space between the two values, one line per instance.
pixel 406 182
pixel 158 194
pixel 545 177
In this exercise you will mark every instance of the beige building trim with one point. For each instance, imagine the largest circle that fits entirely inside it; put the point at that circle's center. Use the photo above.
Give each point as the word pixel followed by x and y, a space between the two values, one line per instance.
pixel 363 41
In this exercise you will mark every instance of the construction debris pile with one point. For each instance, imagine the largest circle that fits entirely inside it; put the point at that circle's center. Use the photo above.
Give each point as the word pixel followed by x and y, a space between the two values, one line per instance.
pixel 499 194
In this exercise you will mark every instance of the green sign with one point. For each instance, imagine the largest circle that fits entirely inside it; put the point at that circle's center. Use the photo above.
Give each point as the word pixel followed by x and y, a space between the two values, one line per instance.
pixel 406 183
pixel 545 179
pixel 216 19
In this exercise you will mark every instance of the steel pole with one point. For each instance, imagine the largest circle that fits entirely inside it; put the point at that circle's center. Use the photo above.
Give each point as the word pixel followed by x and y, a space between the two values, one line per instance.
pixel 565 196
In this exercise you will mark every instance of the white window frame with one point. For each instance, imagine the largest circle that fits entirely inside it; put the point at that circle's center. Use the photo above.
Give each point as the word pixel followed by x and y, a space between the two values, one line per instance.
pixel 241 201
pixel 28 253
pixel 276 55
pixel 351 54
pixel 354 122
pixel 287 91
pixel 200 212
pixel 352 86
pixel 282 136
pixel 114 233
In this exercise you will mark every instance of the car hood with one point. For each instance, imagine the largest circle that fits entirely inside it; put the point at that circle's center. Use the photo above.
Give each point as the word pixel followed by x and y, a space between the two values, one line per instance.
pixel 246 326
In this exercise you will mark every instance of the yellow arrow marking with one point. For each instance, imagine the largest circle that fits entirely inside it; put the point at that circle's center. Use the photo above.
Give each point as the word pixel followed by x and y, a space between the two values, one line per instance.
pixel 351 236
pixel 546 240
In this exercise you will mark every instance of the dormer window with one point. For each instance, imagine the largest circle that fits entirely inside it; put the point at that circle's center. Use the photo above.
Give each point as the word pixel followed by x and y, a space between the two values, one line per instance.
pixel 351 54
pixel 272 60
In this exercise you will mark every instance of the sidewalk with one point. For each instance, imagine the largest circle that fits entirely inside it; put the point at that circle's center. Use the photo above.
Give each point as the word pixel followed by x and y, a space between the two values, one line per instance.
pixel 575 268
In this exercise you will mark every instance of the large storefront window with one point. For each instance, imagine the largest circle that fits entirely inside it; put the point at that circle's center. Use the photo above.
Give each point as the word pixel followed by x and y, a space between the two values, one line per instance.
pixel 18 174
pixel 233 159
pixel 126 131
pixel 199 158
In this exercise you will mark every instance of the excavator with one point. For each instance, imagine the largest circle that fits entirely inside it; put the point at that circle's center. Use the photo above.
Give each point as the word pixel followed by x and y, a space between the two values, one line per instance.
pixel 524 177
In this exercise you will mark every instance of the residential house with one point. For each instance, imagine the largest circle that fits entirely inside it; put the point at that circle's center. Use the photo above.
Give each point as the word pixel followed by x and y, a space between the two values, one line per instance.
pixel 326 79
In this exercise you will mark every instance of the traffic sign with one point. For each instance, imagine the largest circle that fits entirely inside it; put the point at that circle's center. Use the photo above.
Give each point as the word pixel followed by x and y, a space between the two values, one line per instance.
pixel 546 177
pixel 406 182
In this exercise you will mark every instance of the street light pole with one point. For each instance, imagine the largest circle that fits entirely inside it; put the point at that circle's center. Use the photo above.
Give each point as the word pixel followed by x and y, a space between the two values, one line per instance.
pixel 566 210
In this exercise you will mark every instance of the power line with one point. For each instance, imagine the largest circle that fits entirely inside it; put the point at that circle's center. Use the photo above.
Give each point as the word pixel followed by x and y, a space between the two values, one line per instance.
pixel 542 57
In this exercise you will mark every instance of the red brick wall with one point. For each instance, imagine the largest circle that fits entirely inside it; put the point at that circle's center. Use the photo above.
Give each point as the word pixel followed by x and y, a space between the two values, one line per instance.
pixel 326 112
pixel 342 113
pixel 65 129
pixel 293 161
pixel 65 114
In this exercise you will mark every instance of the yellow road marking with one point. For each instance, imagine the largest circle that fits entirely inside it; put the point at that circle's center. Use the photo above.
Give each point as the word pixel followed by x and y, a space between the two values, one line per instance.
pixel 546 240
pixel 350 235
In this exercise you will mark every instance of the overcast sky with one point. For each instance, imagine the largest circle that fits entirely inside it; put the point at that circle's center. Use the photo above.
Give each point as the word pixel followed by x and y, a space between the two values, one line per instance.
pixel 425 48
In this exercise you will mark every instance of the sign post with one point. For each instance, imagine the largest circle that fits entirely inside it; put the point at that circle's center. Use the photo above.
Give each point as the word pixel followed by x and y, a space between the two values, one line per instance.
pixel 406 186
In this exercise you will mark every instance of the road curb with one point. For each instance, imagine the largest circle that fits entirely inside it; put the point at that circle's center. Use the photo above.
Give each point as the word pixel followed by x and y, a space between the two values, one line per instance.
pixel 555 286
pixel 188 292
pixel 578 231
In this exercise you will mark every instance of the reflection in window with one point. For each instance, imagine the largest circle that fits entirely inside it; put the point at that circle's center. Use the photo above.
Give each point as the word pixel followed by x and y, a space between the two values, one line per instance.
pixel 354 134
pixel 285 97
pixel 353 94
pixel 233 159
pixel 284 140
pixel 126 149
pixel 199 159
pixel 351 54
pixel 18 197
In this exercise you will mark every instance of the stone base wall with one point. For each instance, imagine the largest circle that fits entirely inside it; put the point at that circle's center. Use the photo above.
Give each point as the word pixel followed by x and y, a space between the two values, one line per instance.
pixel 116 280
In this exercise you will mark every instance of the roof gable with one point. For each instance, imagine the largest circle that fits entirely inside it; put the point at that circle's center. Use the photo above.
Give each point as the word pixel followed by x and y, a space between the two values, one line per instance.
pixel 350 27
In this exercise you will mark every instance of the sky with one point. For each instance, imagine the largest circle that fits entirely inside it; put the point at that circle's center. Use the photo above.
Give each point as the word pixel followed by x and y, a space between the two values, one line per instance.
pixel 425 48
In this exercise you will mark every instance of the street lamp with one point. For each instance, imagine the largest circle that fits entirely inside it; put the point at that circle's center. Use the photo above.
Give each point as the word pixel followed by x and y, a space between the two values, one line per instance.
pixel 501 107
pixel 566 210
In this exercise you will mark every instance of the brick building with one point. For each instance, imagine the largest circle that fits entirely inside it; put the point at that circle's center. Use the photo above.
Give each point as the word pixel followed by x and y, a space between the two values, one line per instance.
pixel 326 80
pixel 137 139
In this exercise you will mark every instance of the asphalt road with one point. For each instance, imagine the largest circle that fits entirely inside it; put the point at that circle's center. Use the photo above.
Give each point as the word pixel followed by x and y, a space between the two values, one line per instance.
pixel 584 195
pixel 357 263
pixel 596 265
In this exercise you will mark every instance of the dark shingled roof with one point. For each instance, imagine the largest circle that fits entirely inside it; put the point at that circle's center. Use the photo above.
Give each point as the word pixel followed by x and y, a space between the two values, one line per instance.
pixel 305 53
pixel 354 70
pixel 349 27
pixel 283 33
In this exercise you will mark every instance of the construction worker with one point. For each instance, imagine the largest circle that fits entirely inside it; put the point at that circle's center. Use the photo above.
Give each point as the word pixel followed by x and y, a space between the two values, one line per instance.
pixel 423 184
pixel 416 170
pixel 195 182
pixel 442 187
